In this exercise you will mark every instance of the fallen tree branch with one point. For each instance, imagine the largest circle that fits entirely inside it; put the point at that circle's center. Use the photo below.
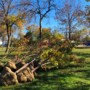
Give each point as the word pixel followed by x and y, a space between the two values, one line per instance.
pixel 26 65
pixel 24 57
pixel 43 63
pixel 40 66
pixel 27 56
pixel 46 63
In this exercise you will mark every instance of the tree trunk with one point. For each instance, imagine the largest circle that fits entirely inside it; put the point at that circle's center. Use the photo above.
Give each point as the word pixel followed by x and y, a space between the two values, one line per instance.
pixel 8 45
pixel 66 32
pixel 69 31
pixel 26 65
pixel 9 39
pixel 69 23
pixel 40 35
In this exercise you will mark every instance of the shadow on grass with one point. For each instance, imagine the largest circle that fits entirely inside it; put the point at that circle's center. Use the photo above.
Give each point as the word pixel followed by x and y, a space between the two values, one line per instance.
pixel 79 87
pixel 82 47
pixel 72 66
pixel 85 55
pixel 10 56
pixel 44 82
pixel 7 58
pixel 85 71
pixel 55 81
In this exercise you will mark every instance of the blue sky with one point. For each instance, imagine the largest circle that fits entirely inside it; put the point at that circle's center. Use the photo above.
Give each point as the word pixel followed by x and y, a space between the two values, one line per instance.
pixel 51 22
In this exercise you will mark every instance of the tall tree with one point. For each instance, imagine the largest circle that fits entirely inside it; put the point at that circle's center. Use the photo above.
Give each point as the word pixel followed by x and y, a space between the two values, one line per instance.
pixel 7 11
pixel 87 14
pixel 68 14
pixel 6 8
pixel 38 7
pixel 43 8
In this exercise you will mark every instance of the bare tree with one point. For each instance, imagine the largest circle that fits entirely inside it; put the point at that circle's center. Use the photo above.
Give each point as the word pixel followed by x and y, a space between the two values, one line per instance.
pixel 68 13
pixel 43 8
pixel 38 7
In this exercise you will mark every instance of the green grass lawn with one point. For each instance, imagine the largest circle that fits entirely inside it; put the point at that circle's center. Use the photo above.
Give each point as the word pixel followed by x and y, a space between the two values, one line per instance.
pixel 72 77
pixel 2 54
pixel 11 55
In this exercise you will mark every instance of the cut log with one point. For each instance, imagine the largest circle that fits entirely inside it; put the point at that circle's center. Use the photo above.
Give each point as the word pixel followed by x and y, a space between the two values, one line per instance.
pixel 26 65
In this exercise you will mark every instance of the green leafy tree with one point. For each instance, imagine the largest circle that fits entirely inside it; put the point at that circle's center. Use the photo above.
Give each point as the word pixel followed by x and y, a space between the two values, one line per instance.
pixel 6 8
pixel 12 21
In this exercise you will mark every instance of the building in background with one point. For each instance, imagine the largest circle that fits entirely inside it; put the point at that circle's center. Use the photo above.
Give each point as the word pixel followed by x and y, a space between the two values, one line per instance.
pixel 3 42
pixel 0 41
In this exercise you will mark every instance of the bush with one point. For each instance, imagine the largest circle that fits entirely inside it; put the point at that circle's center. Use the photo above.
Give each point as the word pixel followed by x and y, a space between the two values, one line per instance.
pixel 59 53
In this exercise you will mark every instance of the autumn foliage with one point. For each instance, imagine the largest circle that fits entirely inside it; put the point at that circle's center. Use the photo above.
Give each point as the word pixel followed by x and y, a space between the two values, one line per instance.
pixel 56 52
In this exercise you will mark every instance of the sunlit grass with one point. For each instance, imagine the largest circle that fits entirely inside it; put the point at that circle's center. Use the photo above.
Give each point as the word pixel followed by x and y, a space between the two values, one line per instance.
pixel 10 56
pixel 72 77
